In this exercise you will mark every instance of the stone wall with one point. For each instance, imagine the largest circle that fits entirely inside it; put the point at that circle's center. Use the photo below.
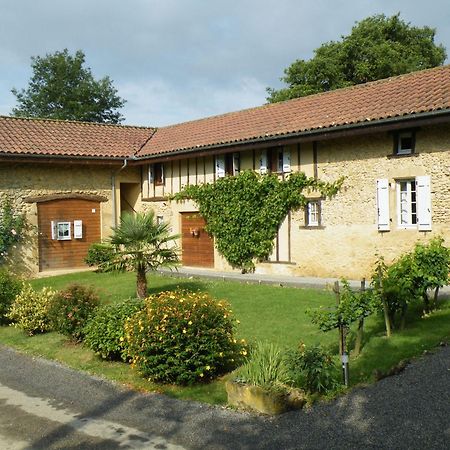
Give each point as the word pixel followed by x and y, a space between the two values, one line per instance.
pixel 348 242
pixel 345 245
pixel 20 181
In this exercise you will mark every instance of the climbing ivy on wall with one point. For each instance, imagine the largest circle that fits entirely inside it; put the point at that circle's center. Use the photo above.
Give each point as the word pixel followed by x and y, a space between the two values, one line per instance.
pixel 244 212
pixel 11 226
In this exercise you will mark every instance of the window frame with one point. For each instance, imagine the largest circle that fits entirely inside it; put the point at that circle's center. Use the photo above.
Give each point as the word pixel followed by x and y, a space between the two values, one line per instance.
pixel 158 174
pixel 411 203
pixel 404 134
pixel 61 237
pixel 309 214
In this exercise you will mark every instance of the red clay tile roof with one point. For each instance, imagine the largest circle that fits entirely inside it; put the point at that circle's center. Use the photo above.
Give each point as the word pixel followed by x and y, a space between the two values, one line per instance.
pixel 67 138
pixel 405 95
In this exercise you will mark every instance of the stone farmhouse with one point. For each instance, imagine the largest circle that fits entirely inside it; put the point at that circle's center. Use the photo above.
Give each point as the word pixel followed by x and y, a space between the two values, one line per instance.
pixel 389 138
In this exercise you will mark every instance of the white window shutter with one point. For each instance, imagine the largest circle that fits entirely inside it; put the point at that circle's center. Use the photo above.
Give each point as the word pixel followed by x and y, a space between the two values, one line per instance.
pixel 263 162
pixel 53 229
pixel 383 204
pixel 78 229
pixel 236 163
pixel 423 203
pixel 150 173
pixel 220 166
pixel 286 160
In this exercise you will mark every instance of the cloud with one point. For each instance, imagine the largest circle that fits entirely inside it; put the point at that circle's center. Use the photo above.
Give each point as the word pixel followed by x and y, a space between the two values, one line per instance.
pixel 176 60
pixel 157 103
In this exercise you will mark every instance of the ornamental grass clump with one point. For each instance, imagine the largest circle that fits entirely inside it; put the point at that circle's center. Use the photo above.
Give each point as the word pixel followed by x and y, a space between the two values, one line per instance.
pixel 30 310
pixel 71 309
pixel 105 331
pixel 264 367
pixel 183 337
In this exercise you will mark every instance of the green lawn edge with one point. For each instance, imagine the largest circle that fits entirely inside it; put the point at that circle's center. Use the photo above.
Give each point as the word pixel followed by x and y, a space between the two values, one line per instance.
pixel 272 313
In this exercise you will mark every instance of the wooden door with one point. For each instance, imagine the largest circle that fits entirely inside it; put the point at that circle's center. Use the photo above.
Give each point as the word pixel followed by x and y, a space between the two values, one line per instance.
pixel 70 252
pixel 196 244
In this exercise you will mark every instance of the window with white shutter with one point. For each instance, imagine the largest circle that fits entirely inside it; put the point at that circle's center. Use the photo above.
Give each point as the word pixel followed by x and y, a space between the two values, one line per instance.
pixel 220 166
pixel 236 163
pixel 414 203
pixel 263 162
pixel 383 204
pixel 286 161
pixel 423 203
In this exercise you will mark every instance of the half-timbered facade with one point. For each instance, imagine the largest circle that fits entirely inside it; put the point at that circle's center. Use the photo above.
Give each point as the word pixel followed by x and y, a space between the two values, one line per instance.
pixel 390 139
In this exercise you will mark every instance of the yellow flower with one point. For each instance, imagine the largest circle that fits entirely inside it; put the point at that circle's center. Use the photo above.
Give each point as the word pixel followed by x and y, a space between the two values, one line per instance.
pixel 244 352
pixel 201 375
pixel 208 368
pixel 121 339
pixel 190 322
pixel 184 330
pixel 238 321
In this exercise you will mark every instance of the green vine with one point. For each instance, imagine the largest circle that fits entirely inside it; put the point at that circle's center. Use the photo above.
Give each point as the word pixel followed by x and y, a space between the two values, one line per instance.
pixel 244 212
pixel 11 226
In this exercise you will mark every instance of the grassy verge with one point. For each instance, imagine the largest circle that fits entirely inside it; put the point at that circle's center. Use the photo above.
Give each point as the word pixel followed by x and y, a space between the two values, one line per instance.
pixel 271 313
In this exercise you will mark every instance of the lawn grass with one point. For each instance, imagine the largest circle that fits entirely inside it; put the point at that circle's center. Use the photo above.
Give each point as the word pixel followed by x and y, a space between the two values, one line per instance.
pixel 272 313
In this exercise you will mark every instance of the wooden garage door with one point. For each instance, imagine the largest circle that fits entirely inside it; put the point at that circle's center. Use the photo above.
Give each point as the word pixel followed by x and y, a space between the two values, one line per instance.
pixel 65 254
pixel 197 245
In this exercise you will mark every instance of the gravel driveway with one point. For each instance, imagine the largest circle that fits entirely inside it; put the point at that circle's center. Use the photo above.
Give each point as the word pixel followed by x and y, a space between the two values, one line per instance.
pixel 47 406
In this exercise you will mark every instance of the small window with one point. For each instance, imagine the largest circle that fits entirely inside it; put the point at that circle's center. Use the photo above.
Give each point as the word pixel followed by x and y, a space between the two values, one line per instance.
pixel 159 220
pixel 158 171
pixel 404 143
pixel 63 231
pixel 313 213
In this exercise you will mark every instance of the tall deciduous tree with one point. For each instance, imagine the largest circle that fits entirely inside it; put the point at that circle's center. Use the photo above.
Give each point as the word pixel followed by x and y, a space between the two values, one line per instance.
pixel 61 87
pixel 378 47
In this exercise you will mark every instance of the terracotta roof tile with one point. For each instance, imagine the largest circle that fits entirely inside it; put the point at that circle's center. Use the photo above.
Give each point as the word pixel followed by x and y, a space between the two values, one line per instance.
pixel 68 138
pixel 405 95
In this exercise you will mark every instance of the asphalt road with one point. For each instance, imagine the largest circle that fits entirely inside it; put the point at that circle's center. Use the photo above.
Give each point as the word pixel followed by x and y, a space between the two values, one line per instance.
pixel 44 405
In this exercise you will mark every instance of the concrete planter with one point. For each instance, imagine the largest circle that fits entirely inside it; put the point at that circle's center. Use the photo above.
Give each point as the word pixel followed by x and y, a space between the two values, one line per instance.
pixel 255 398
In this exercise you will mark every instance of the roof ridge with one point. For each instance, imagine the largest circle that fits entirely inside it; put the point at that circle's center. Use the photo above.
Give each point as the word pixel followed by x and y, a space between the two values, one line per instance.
pixel 298 99
pixel 78 122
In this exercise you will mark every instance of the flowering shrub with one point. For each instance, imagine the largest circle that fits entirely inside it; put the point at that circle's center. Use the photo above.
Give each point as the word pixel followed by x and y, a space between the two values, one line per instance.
pixel 10 286
pixel 71 308
pixel 11 225
pixel 30 309
pixel 183 337
pixel 105 332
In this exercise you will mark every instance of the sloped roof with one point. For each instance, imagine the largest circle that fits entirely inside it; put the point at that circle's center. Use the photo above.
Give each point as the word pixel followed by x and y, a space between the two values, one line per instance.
pixel 405 95
pixel 68 138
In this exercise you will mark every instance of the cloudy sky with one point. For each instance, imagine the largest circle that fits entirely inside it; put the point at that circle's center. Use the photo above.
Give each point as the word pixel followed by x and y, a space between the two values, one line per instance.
pixel 178 60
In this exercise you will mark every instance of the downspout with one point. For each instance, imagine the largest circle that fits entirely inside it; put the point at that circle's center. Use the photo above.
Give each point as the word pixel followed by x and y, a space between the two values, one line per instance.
pixel 113 191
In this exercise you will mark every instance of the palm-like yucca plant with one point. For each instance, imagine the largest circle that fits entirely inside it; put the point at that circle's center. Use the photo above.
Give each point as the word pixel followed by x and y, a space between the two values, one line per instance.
pixel 142 245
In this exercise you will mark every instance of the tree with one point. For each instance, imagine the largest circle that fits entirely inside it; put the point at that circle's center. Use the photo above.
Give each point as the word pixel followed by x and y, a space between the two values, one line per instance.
pixel 378 47
pixel 62 88
pixel 142 245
